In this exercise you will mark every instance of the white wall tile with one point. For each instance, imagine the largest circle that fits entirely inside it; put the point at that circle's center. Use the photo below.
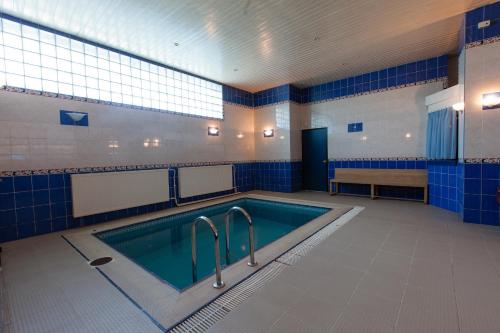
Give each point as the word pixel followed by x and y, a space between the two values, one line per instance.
pixel 32 137
pixel 275 117
pixel 386 117
pixel 482 65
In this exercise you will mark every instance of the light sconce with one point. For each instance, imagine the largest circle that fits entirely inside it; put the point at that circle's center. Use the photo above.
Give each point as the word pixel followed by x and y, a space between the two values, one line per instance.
pixel 240 136
pixel 458 106
pixel 213 131
pixel 408 135
pixel 269 133
pixel 151 143
pixel 113 144
pixel 364 138
pixel 491 101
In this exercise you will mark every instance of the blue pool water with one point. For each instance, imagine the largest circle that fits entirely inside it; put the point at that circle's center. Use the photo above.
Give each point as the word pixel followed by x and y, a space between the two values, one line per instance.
pixel 163 246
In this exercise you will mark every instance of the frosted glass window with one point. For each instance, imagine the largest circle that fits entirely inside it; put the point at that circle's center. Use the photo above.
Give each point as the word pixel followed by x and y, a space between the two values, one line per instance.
pixel 48 49
pixel 36 59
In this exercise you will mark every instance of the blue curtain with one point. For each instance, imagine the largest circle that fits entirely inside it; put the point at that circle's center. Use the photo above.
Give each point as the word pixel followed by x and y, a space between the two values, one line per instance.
pixel 442 135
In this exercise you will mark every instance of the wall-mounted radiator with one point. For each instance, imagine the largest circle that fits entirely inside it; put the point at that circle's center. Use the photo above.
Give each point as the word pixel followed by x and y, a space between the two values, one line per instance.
pixel 204 180
pixel 95 193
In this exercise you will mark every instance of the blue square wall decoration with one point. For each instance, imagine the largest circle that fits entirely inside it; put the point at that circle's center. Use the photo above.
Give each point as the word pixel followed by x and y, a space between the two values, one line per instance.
pixel 355 127
pixel 73 118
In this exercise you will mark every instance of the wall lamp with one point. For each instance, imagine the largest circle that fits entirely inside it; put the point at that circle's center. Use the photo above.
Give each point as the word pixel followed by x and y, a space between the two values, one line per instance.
pixel 491 101
pixel 213 131
pixel 269 133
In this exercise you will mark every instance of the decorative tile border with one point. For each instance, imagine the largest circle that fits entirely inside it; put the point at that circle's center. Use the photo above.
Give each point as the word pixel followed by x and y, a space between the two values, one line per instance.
pixel 494 160
pixel 379 159
pixel 487 41
pixel 132 167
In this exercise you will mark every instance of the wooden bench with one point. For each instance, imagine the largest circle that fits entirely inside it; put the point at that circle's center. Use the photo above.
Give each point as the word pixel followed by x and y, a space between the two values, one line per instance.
pixel 377 177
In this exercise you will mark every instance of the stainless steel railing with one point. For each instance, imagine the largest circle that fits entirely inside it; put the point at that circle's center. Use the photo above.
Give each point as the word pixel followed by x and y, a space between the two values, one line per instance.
pixel 230 212
pixel 218 279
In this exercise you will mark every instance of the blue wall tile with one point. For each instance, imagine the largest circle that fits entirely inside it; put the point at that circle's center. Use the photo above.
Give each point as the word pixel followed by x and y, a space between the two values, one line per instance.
pixel 404 74
pixel 40 182
pixel 22 183
pixel 24 199
pixel 6 185
pixel 7 201
pixel 490 12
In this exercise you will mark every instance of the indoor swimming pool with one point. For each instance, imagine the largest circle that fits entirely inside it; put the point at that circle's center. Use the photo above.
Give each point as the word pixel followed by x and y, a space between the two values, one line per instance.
pixel 163 246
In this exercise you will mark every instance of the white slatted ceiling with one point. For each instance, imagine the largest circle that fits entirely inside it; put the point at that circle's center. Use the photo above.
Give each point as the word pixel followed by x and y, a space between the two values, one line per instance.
pixel 270 42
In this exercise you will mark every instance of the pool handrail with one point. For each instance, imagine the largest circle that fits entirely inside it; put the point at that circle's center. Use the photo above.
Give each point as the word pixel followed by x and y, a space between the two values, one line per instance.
pixel 228 214
pixel 218 278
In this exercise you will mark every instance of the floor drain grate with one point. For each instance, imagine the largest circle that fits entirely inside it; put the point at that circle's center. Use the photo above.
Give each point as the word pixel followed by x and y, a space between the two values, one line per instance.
pixel 100 261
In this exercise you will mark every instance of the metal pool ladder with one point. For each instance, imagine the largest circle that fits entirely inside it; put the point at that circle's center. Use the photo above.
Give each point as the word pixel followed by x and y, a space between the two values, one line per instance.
pixel 218 279
pixel 252 261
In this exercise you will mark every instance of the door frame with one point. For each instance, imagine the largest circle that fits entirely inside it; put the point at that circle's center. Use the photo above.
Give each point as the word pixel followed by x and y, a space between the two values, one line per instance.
pixel 327 161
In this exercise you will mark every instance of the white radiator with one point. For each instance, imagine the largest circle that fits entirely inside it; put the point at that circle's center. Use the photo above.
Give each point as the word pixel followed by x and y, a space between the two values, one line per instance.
pixel 206 179
pixel 95 193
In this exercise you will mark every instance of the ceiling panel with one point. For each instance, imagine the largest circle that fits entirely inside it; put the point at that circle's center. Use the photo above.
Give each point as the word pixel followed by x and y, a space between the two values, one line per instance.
pixel 258 44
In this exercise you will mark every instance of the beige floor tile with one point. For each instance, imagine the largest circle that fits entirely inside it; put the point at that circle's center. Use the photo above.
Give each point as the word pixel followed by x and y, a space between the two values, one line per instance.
pixel 312 310
pixel 397 265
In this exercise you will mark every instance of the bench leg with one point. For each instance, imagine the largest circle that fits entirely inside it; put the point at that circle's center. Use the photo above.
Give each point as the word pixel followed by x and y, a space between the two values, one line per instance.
pixel 332 191
pixel 372 190
pixel 426 189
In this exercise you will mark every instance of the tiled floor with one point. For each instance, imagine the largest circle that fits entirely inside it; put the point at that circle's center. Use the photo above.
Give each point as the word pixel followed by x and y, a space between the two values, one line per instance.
pixel 396 267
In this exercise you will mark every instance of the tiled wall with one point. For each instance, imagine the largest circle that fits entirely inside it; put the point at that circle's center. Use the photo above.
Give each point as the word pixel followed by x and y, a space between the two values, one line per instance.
pixel 480 188
pixel 388 78
pixel 460 188
pixel 32 138
pixel 387 117
pixel 237 96
pixel 278 176
pixel 244 176
pixel 272 96
pixel 481 148
pixel 375 163
pixel 472 33
pixel 443 185
pixel 41 203
pixel 427 70
pixel 34 204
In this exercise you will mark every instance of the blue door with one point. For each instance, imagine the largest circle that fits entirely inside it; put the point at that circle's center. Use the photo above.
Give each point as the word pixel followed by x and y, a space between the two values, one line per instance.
pixel 315 159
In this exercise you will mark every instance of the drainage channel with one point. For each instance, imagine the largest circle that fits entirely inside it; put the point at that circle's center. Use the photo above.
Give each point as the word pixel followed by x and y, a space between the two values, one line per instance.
pixel 208 315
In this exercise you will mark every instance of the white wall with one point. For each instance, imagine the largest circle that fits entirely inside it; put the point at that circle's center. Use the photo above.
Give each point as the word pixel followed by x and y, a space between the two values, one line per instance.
pixel 461 114
pixel 276 117
pixel 482 135
pixel 386 117
pixel 32 138
pixel 300 118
